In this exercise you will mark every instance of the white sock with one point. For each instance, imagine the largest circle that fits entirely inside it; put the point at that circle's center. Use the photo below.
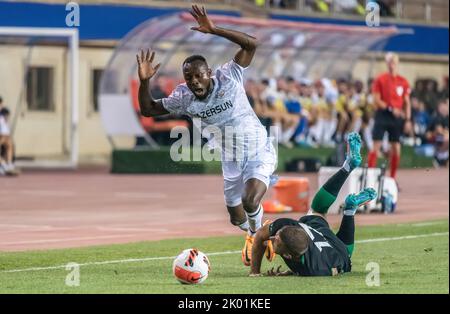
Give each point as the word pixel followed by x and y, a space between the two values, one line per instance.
pixel 244 226
pixel 346 165
pixel 349 212
pixel 255 220
pixel 278 131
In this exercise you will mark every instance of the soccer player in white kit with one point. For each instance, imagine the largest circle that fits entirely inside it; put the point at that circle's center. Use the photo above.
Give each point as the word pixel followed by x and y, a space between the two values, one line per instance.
pixel 220 100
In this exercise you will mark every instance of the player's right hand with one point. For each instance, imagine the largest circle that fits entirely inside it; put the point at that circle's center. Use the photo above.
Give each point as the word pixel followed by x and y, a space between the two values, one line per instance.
pixel 145 68
pixel 273 272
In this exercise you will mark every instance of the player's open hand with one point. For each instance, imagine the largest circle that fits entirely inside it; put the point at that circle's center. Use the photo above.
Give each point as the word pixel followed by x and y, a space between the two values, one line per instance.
pixel 205 25
pixel 145 68
pixel 273 272
pixel 278 272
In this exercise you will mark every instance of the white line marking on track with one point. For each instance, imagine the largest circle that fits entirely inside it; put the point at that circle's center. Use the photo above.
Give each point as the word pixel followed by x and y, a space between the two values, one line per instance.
pixel 61 193
pixel 131 229
pixel 137 195
pixel 134 260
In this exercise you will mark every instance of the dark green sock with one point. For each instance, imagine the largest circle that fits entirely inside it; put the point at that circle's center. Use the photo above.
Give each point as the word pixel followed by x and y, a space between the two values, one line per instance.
pixel 328 193
pixel 346 233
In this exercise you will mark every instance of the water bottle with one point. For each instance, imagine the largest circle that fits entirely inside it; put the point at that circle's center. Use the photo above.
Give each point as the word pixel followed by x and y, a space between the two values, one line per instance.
pixel 388 203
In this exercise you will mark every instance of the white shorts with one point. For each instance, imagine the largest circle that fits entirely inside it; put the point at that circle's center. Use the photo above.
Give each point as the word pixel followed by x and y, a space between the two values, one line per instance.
pixel 237 173
pixel 4 128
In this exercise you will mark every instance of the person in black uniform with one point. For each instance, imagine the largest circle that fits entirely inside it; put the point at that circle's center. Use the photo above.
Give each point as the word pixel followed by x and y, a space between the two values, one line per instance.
pixel 308 246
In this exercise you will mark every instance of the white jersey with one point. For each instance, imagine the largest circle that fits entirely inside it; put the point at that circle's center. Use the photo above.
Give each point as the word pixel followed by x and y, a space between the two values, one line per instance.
pixel 227 108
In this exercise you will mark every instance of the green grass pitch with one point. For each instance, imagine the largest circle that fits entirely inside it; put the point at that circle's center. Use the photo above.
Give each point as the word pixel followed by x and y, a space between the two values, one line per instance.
pixel 407 265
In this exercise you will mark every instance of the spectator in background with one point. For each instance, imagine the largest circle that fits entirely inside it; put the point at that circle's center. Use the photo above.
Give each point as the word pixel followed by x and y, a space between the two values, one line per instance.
pixel 356 104
pixel 386 7
pixel 253 94
pixel 419 90
pixel 349 6
pixel 343 110
pixel 321 132
pixel 281 4
pixel 438 133
pixel 444 91
pixel 295 104
pixel 368 112
pixel 421 120
pixel 273 95
pixel 431 96
pixel 6 144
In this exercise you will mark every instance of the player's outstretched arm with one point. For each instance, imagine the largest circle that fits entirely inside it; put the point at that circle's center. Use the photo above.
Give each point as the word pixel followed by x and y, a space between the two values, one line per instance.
pixel 258 249
pixel 149 106
pixel 248 43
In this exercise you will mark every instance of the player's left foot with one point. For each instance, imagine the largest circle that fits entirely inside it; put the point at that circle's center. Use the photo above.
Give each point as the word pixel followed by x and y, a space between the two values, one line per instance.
pixel 354 201
pixel 247 250
pixel 353 158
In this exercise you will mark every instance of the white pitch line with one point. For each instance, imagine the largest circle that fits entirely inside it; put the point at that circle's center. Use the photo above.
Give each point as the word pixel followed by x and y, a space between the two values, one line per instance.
pixel 133 260
pixel 437 234
pixel 425 224
pixel 120 261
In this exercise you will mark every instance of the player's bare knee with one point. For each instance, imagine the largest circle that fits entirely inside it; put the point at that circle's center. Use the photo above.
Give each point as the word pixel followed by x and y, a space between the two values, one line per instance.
pixel 251 203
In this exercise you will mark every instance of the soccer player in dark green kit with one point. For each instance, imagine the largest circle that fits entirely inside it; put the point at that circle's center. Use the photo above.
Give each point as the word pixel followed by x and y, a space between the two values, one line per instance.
pixel 308 246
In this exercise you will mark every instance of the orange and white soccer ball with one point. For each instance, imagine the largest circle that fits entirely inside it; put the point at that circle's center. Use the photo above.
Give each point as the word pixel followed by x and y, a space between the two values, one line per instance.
pixel 191 267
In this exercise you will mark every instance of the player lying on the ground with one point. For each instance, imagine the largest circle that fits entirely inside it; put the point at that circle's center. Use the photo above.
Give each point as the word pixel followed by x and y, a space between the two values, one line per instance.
pixel 221 101
pixel 308 246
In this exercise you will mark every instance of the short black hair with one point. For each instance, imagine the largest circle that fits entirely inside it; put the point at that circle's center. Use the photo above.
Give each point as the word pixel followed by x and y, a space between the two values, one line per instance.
pixel 265 82
pixel 1 99
pixel 290 79
pixel 194 58
pixel 4 112
pixel 295 240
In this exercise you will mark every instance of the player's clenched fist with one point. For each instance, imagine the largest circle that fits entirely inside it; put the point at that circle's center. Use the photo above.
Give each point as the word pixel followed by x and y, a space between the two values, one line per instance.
pixel 145 68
